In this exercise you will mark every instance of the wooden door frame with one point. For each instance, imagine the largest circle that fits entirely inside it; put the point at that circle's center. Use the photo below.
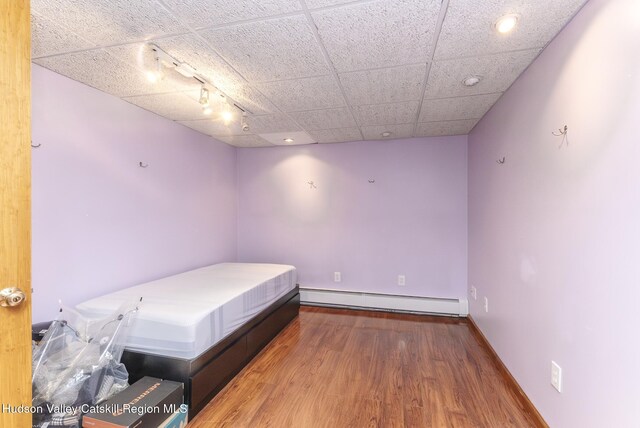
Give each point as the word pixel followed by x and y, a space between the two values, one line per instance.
pixel 15 210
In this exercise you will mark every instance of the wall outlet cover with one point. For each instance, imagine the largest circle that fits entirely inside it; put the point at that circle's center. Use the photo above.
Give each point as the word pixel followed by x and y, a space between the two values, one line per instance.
pixel 337 277
pixel 402 281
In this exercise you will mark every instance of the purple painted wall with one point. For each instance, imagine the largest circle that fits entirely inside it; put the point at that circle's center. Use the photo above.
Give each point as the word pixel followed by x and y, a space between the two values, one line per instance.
pixel 554 233
pixel 100 222
pixel 411 221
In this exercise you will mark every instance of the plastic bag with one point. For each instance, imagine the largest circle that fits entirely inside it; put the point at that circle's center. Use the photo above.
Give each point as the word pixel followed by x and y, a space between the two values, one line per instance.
pixel 77 365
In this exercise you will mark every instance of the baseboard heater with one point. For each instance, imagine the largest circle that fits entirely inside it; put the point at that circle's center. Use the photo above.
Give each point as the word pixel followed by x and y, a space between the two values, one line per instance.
pixel 384 302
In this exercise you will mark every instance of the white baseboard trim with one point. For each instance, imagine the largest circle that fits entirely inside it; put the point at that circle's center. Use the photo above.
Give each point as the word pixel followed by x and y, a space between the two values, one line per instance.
pixel 384 302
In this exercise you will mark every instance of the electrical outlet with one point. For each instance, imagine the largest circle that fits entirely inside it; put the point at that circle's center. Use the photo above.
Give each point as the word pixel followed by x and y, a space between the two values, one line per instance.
pixel 337 277
pixel 486 304
pixel 402 280
pixel 474 293
pixel 556 376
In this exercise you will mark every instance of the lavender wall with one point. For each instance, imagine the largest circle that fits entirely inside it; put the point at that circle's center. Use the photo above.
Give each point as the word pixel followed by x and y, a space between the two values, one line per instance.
pixel 100 222
pixel 554 235
pixel 411 221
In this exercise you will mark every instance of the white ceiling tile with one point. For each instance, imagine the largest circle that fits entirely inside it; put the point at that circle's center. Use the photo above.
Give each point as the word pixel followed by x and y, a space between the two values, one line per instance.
pixel 274 49
pixel 271 123
pixel 174 106
pixel 48 38
pixel 473 107
pixel 437 129
pixel 107 22
pixel 245 141
pixel 315 4
pixel 104 72
pixel 312 93
pixel 468 28
pixel 214 127
pixel 336 135
pixel 205 13
pixel 378 34
pixel 386 114
pixel 384 85
pixel 497 73
pixel 397 131
pixel 324 119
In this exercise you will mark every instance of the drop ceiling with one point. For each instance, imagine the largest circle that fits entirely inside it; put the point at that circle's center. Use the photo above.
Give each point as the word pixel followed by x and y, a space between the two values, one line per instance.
pixel 336 70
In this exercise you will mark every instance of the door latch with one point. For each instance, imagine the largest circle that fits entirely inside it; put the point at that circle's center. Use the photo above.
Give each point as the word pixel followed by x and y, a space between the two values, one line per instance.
pixel 11 296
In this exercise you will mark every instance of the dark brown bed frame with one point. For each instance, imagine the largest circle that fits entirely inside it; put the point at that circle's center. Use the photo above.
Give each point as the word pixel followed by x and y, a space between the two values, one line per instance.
pixel 206 375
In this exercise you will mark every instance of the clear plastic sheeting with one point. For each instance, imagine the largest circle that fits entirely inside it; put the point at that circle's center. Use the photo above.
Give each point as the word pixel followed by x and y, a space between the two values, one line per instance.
pixel 184 315
pixel 77 365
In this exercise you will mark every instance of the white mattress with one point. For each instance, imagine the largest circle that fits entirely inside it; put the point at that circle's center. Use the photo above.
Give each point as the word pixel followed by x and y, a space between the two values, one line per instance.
pixel 184 315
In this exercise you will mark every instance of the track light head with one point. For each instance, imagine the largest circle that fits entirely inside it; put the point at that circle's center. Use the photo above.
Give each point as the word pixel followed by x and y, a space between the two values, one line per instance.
pixel 245 125
pixel 155 75
pixel 204 96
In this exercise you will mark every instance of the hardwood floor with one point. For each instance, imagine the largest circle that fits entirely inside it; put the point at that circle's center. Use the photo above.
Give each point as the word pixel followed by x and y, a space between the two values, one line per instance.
pixel 342 368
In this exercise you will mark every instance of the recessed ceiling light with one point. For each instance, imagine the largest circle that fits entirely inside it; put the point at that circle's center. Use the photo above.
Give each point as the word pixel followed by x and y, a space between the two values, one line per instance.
pixel 288 140
pixel 506 23
pixel 471 81
pixel 386 134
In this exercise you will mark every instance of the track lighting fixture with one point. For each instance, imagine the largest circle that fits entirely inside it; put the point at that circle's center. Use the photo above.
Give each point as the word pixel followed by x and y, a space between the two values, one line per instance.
pixel 164 60
pixel 245 125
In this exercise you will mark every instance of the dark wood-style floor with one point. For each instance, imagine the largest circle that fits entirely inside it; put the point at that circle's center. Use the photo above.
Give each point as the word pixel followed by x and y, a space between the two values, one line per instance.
pixel 343 368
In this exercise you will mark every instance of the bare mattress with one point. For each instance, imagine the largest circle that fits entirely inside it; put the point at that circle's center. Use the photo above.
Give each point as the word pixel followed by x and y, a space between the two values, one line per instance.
pixel 184 315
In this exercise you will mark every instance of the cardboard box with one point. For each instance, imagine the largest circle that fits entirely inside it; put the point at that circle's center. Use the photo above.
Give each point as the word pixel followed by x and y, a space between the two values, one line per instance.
pixel 145 404
pixel 178 420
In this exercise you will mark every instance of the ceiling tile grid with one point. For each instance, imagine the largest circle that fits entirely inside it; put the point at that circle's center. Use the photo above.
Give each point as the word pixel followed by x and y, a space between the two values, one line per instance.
pixel 497 73
pixel 273 123
pixel 386 114
pixel 324 119
pixel 49 38
pixel 468 29
pixel 273 49
pixel 340 135
pixel 245 141
pixel 99 69
pixel 175 106
pixel 472 107
pixel 395 132
pixel 214 128
pixel 452 127
pixel 386 85
pixel 339 70
pixel 199 13
pixel 311 93
pixel 378 34
pixel 109 22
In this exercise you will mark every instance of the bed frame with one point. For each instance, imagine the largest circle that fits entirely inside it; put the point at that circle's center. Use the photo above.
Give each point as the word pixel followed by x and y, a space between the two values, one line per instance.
pixel 206 375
